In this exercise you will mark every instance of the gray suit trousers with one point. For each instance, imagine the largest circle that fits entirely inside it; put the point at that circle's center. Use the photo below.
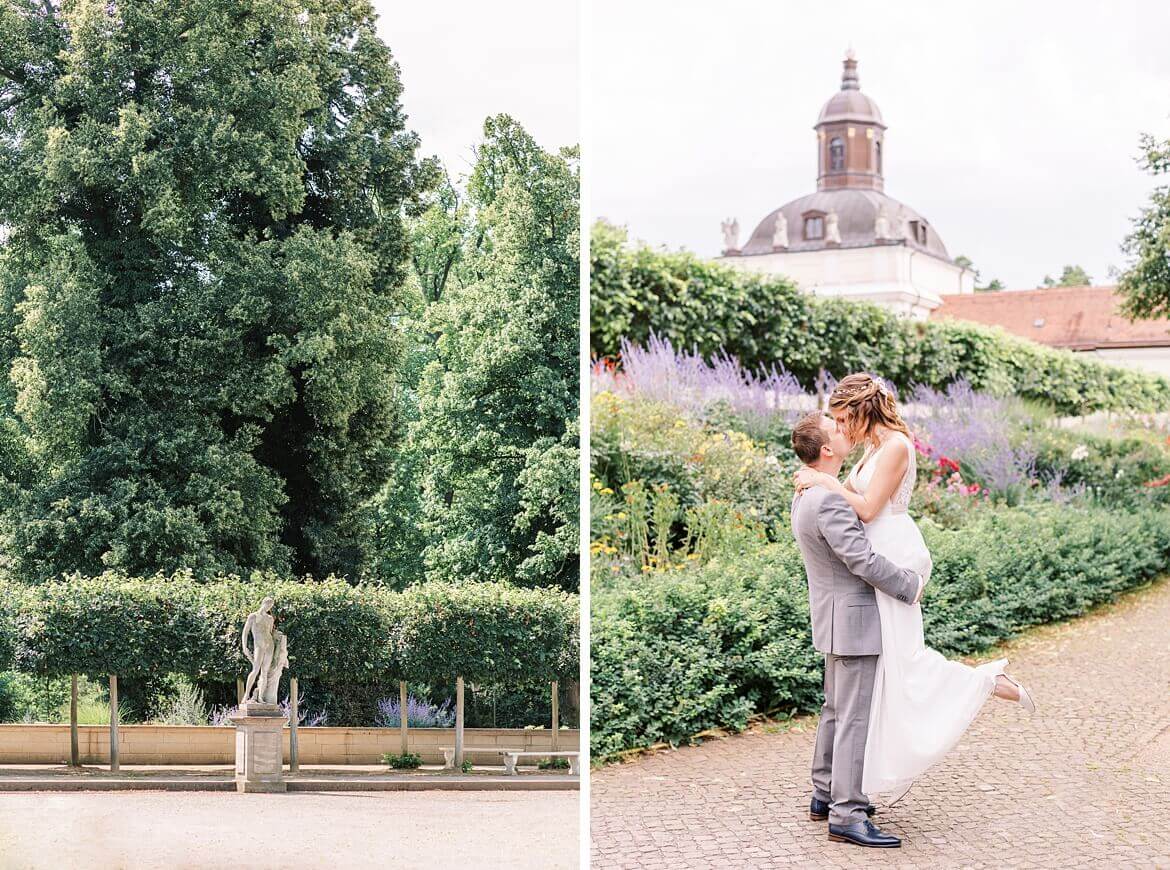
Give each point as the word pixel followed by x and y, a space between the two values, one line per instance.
pixel 839 756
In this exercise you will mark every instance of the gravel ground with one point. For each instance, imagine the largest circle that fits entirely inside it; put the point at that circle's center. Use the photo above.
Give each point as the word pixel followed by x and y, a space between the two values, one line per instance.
pixel 194 831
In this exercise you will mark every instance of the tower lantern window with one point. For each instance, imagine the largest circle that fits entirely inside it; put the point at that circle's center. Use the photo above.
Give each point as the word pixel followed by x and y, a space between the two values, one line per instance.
pixel 836 154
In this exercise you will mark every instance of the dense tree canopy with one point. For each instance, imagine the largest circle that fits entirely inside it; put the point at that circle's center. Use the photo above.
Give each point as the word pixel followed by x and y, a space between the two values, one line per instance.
pixel 203 260
pixel 1146 283
pixel 498 402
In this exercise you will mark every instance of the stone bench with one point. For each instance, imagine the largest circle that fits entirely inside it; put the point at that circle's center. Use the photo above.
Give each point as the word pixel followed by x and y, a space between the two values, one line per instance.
pixel 511 756
pixel 449 752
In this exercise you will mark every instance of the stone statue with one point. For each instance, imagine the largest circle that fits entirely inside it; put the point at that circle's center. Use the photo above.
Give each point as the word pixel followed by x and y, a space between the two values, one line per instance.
pixel 904 227
pixel 780 233
pixel 731 235
pixel 832 232
pixel 881 226
pixel 268 655
pixel 271 686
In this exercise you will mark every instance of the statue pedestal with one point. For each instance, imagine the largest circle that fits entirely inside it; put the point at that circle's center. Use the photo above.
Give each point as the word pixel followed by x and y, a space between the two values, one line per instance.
pixel 259 744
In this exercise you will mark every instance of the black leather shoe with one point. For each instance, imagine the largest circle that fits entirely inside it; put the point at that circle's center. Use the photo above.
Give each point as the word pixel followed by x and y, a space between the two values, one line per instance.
pixel 818 811
pixel 863 834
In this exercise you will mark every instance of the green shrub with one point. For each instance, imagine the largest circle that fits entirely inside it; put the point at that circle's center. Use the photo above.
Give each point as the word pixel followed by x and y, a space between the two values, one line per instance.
pixel 762 320
pixel 1112 470
pixel 406 761
pixel 33 698
pixel 10 699
pixel 641 440
pixel 553 764
pixel 674 654
pixel 186 706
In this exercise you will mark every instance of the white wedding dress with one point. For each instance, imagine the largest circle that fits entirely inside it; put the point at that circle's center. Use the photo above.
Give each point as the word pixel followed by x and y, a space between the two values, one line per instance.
pixel 922 702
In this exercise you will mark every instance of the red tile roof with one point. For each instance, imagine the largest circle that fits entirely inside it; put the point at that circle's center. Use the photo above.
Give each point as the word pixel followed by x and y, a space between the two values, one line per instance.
pixel 1077 318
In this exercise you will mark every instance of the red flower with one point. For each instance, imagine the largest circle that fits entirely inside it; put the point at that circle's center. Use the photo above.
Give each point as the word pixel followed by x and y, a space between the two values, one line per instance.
pixel 947 464
pixel 1161 481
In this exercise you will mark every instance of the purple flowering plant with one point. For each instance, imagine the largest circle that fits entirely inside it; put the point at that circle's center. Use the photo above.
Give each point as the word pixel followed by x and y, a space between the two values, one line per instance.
pixel 420 713
pixel 660 372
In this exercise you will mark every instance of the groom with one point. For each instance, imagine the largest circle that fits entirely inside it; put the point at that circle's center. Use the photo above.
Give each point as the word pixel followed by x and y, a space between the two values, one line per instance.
pixel 843 572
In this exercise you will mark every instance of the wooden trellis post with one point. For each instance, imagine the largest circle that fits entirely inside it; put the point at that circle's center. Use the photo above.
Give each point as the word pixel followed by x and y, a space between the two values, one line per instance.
pixel 74 752
pixel 294 763
pixel 113 722
pixel 402 722
pixel 556 724
pixel 459 723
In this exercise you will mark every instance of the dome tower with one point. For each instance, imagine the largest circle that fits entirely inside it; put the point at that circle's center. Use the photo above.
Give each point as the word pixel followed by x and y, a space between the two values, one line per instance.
pixel 849 137
pixel 849 238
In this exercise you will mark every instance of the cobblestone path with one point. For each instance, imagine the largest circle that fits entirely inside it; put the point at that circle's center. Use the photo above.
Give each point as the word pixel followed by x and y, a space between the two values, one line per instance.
pixel 1085 782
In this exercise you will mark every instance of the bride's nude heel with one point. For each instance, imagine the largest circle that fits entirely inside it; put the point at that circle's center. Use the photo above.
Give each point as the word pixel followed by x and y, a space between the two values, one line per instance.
pixel 1025 699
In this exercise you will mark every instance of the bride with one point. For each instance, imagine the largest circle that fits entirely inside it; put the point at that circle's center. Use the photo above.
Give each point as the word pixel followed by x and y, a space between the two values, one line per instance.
pixel 922 702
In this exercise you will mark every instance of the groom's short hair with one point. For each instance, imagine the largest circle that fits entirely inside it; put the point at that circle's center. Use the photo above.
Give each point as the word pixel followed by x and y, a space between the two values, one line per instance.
pixel 808 437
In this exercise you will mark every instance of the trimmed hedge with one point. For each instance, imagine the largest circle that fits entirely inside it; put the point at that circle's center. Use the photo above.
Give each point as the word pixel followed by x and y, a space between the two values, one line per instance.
pixel 674 654
pixel 711 307
pixel 487 633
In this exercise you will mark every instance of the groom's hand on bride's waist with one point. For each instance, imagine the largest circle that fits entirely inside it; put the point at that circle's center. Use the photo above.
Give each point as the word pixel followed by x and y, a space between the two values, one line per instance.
pixel 921 587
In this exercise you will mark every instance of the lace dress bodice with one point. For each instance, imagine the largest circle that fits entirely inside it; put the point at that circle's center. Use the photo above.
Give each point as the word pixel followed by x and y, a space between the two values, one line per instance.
pixel 862 474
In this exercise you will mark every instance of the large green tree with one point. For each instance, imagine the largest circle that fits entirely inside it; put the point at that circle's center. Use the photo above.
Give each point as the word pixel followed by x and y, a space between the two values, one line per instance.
pixel 498 403
pixel 202 263
pixel 1146 283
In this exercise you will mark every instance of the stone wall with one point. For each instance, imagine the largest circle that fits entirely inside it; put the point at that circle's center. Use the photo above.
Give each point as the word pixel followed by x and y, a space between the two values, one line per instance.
pixel 206 744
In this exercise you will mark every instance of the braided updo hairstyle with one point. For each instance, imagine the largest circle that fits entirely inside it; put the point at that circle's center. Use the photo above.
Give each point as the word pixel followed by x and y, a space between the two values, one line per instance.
pixel 867 404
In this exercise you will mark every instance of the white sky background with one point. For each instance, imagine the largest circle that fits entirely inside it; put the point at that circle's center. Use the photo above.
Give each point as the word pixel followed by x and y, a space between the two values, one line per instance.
pixel 462 61
pixel 1013 127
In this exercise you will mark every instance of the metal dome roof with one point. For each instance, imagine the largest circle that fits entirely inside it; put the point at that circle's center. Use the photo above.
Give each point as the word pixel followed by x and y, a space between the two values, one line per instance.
pixel 857 212
pixel 849 103
pixel 850 106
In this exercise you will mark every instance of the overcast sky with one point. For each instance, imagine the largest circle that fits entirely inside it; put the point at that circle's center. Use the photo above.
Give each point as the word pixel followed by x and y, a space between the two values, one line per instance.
pixel 462 61
pixel 1013 127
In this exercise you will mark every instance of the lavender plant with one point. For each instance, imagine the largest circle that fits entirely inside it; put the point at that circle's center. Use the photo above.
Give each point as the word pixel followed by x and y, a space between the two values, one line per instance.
pixel 975 430
pixel 221 716
pixel 688 382
pixel 1057 492
pixel 420 713
pixel 305 717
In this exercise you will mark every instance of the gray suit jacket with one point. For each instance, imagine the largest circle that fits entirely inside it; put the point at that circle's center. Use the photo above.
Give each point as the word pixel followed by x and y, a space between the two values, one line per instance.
pixel 843 571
